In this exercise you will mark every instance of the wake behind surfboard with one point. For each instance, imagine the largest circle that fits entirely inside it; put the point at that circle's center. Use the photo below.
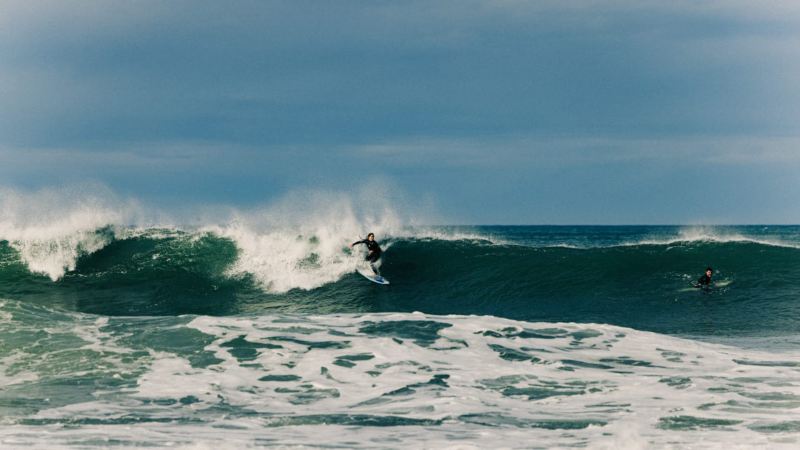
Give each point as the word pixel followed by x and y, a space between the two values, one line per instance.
pixel 707 287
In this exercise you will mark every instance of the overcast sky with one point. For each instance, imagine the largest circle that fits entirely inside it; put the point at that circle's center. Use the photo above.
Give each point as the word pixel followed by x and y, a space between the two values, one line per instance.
pixel 496 111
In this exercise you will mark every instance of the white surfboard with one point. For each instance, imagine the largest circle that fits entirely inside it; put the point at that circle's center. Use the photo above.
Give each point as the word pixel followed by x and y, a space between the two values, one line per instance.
pixel 368 274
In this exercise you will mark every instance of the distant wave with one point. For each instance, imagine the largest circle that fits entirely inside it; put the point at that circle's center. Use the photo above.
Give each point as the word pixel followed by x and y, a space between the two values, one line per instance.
pixel 712 234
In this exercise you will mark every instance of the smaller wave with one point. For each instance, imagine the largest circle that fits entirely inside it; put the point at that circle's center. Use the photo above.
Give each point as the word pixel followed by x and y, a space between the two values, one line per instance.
pixel 715 235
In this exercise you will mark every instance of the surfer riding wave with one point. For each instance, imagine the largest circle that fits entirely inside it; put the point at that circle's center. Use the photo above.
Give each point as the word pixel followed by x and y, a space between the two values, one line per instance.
pixel 374 249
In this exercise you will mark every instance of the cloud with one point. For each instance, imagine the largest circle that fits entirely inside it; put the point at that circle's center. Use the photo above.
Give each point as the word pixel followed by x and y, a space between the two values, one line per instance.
pixel 504 103
pixel 286 73
pixel 559 151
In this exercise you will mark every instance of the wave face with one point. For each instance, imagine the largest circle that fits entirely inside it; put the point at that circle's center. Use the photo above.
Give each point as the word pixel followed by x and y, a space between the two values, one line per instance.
pixel 637 277
pixel 380 380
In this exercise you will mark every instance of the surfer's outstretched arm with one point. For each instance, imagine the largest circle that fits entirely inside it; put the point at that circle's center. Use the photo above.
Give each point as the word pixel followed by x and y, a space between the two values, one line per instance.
pixel 374 252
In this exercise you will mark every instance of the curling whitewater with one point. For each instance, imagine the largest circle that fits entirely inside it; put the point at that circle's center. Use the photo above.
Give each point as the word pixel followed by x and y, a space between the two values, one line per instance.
pixel 390 380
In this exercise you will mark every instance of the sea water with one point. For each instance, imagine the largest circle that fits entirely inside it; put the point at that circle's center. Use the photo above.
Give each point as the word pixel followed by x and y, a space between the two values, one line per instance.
pixel 235 335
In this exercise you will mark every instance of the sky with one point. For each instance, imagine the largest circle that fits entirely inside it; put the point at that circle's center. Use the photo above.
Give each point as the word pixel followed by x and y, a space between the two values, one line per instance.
pixel 496 112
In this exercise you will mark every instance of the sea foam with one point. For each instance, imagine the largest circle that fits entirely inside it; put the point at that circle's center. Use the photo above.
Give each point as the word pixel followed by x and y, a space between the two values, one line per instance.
pixel 388 380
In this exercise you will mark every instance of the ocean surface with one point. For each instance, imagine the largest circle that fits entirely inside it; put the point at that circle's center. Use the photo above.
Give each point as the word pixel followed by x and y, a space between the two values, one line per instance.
pixel 235 335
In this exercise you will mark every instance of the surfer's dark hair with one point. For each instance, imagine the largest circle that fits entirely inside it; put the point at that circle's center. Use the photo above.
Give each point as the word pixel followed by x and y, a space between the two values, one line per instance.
pixel 370 234
pixel 709 268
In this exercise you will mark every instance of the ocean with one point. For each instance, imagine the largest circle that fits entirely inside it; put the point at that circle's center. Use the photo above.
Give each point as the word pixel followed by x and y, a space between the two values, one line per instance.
pixel 235 335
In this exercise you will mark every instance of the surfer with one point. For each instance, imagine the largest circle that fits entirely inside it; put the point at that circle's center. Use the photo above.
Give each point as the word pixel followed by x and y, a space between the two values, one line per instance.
pixel 705 280
pixel 374 251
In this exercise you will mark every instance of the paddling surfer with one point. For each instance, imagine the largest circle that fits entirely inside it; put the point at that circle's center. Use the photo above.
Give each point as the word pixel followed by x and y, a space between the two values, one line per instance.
pixel 705 280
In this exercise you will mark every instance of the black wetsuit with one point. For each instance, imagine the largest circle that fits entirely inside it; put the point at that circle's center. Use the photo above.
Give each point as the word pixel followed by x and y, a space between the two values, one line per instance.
pixel 705 280
pixel 374 253
pixel 374 250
